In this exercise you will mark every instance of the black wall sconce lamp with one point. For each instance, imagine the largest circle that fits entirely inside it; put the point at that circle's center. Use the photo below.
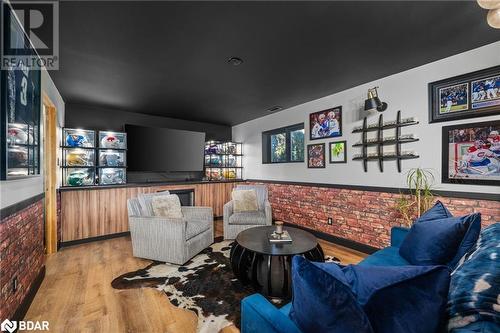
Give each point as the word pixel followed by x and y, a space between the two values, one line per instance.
pixel 373 102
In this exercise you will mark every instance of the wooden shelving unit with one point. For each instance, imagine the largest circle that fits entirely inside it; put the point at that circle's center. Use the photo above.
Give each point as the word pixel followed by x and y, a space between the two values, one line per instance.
pixel 380 142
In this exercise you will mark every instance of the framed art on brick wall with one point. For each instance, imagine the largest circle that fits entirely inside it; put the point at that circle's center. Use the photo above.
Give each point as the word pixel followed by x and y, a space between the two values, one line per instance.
pixel 471 153
pixel 470 95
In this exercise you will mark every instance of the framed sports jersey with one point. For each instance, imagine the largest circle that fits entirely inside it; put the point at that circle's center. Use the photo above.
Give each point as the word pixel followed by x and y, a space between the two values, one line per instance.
pixel 470 95
pixel 20 116
pixel 471 153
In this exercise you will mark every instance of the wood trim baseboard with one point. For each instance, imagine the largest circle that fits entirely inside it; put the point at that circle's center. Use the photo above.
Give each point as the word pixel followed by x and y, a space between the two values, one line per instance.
pixel 14 208
pixel 449 194
pixel 92 239
pixel 22 309
pixel 337 240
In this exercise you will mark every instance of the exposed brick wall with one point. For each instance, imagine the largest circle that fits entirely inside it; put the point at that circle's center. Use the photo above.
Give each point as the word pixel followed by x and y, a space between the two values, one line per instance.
pixel 21 255
pixel 362 216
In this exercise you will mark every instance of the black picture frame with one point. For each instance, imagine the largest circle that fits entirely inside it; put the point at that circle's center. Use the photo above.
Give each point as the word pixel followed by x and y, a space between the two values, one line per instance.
pixel 322 156
pixel 470 107
pixel 482 128
pixel 344 142
pixel 313 120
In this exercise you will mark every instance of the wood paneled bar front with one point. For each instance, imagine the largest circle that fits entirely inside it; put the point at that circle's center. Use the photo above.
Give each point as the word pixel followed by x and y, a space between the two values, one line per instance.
pixel 90 212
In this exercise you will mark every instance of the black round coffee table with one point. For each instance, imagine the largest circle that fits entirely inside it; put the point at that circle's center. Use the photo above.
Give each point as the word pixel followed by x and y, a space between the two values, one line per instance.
pixel 267 266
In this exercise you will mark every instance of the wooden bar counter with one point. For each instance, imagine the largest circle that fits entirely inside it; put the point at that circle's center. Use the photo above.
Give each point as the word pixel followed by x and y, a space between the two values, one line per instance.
pixel 89 212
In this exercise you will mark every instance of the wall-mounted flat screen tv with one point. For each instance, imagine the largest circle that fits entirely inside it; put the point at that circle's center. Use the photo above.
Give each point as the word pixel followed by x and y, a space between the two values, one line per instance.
pixel 164 149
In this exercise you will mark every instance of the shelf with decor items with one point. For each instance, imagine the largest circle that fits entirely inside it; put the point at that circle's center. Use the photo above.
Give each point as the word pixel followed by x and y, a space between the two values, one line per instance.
pixel 380 141
pixel 93 157
pixel 223 160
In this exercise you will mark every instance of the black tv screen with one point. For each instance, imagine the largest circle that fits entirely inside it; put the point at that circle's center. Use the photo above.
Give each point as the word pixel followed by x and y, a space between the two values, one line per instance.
pixel 164 149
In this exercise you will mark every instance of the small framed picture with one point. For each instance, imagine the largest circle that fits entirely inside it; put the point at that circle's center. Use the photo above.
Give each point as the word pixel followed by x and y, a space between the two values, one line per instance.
pixel 470 95
pixel 471 153
pixel 325 124
pixel 316 155
pixel 338 152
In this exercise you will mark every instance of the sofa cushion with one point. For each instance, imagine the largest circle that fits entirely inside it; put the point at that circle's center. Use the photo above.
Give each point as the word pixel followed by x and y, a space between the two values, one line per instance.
pixel 438 211
pixel 323 300
pixel 194 227
pixel 168 206
pixel 442 241
pixel 244 201
pixel 260 190
pixel 248 218
pixel 475 284
pixel 388 256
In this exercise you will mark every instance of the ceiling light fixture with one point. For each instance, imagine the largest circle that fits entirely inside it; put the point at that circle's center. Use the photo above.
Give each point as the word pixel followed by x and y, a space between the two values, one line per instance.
pixel 235 61
pixel 373 102
pixel 493 16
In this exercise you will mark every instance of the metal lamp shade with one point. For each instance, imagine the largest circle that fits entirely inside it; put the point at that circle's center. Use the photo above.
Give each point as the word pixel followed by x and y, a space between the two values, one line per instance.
pixel 372 103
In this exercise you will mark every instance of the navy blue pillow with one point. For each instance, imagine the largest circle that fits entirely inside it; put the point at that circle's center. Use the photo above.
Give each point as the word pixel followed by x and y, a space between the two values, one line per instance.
pixel 441 241
pixel 438 211
pixel 323 301
pixel 328 298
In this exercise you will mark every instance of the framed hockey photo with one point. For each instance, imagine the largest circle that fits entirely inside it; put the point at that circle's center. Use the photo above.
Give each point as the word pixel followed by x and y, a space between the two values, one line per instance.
pixel 316 155
pixel 471 153
pixel 338 152
pixel 325 124
pixel 470 95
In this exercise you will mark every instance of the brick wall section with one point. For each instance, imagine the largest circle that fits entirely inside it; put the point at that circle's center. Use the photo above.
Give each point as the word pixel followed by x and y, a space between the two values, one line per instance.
pixel 362 216
pixel 21 255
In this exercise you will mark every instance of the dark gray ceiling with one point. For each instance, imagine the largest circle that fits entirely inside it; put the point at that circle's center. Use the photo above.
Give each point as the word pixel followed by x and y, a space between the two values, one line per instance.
pixel 169 58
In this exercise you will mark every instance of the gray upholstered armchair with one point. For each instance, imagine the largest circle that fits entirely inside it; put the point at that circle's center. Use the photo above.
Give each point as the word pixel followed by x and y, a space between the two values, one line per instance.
pixel 168 239
pixel 234 223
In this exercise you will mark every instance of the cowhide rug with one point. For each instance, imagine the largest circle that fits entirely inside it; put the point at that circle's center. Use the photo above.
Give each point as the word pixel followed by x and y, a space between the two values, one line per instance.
pixel 205 285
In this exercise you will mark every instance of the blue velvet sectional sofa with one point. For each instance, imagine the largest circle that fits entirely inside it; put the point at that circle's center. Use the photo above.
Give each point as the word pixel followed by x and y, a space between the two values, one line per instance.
pixel 260 316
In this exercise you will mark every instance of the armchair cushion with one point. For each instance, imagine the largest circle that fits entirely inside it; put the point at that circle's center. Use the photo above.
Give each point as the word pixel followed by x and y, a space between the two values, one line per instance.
pixel 248 218
pixel 260 190
pixel 194 227
pixel 167 205
pixel 244 201
pixel 146 202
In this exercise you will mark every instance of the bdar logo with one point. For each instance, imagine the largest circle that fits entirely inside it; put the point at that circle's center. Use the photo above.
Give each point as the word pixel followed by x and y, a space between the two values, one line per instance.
pixel 9 326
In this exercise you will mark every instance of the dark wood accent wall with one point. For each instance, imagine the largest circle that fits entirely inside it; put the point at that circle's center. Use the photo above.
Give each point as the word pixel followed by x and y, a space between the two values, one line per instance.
pixel 97 212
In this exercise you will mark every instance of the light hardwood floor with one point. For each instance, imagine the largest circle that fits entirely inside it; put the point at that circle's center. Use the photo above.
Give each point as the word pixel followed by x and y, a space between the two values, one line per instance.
pixel 76 295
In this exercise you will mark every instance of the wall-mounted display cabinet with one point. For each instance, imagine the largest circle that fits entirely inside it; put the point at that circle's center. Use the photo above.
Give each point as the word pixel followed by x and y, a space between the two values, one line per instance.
pixel 223 160
pixel 93 157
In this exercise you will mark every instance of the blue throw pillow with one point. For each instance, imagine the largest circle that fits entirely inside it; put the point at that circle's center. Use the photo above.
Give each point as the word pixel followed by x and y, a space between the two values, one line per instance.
pixel 438 211
pixel 442 241
pixel 328 298
pixel 475 285
pixel 323 301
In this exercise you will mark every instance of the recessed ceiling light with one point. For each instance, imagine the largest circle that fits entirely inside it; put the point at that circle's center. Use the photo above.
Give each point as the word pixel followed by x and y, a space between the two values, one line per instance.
pixel 235 61
pixel 274 108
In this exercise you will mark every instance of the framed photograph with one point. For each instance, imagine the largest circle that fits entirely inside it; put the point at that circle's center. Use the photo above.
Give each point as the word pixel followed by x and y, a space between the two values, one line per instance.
pixel 316 155
pixel 470 95
pixel 338 152
pixel 471 153
pixel 325 124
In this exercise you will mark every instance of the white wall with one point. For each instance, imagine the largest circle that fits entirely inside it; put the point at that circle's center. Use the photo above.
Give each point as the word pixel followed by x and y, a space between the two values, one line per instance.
pixel 405 91
pixel 13 191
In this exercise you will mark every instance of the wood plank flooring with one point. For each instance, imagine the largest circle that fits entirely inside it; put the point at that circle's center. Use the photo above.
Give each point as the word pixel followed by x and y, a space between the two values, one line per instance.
pixel 76 295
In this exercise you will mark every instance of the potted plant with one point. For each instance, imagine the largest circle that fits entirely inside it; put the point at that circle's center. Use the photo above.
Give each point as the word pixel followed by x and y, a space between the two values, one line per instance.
pixel 420 197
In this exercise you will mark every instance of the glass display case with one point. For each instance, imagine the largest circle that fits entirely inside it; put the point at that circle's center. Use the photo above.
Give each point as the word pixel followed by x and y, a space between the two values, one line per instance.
pixel 73 157
pixel 111 176
pixel 20 110
pixel 78 138
pixel 78 176
pixel 112 158
pixel 112 140
pixel 223 160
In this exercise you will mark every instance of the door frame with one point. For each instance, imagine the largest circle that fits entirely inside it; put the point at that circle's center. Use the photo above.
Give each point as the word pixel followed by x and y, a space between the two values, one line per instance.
pixel 50 152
